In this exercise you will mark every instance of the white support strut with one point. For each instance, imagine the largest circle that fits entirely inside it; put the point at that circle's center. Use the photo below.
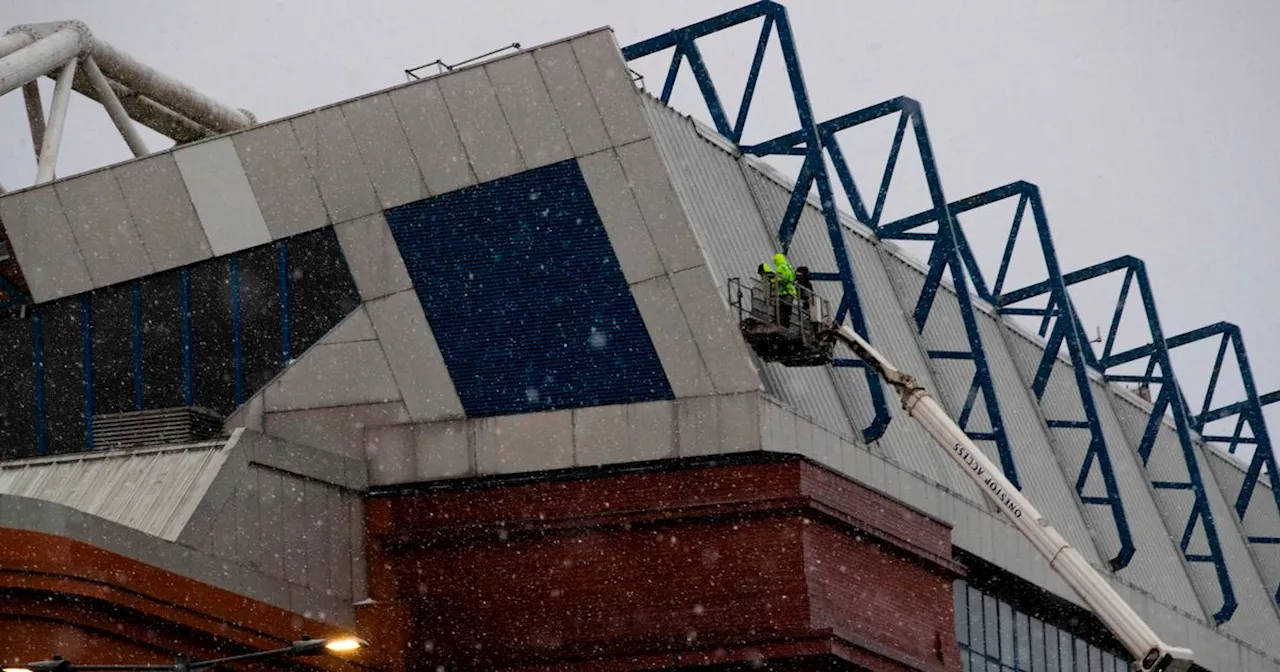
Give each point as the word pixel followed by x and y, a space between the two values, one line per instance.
pixel 57 121
pixel 1149 652
pixel 40 56
pixel 114 109
pixel 130 90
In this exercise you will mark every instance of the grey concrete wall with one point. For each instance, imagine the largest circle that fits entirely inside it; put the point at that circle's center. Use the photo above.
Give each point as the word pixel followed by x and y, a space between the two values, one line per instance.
pixel 416 452
pixel 280 523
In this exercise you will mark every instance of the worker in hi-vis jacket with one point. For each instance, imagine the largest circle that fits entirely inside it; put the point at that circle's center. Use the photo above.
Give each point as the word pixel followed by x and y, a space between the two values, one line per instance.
pixel 783 277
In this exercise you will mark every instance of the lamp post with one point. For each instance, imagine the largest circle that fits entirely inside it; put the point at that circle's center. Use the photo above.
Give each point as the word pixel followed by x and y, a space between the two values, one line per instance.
pixel 302 647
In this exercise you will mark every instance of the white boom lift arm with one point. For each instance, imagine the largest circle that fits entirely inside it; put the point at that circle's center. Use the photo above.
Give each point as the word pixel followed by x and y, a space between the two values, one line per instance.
pixel 1149 652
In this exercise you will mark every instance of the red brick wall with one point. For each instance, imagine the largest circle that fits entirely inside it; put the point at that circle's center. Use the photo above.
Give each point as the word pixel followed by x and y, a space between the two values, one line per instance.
pixel 683 566
pixel 90 606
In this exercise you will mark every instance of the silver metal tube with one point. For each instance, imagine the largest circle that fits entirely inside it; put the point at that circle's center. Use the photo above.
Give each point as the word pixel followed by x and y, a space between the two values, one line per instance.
pixel 167 91
pixel 57 120
pixel 143 110
pixel 11 42
pixel 114 109
pixel 39 57
pixel 35 114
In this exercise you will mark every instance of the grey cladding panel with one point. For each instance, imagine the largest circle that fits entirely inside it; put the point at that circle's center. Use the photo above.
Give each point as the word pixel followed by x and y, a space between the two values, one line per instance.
pixel 481 124
pixel 384 149
pixel 572 98
pixel 103 227
pixel 331 154
pixel 221 195
pixel 529 110
pixel 162 211
pixel 432 136
pixel 281 181
pixel 610 81
pixel 620 216
pixel 43 244
pixel 372 256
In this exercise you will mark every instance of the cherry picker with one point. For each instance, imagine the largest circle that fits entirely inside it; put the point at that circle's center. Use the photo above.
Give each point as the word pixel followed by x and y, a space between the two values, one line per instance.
pixel 802 331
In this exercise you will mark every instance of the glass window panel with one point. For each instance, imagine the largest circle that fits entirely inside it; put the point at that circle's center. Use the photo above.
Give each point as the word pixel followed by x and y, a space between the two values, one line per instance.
pixel 1006 627
pixel 113 351
pixel 1022 636
pixel 1082 654
pixel 960 592
pixel 260 317
pixel 1095 658
pixel 321 290
pixel 162 377
pixel 17 388
pixel 63 376
pixel 977 636
pixel 991 625
pixel 1037 645
pixel 1053 660
pixel 211 335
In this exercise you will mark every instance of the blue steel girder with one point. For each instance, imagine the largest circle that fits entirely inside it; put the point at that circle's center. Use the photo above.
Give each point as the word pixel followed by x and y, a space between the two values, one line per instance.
pixel 1170 398
pixel 1246 412
pixel 1058 312
pixel 950 251
pixel 808 144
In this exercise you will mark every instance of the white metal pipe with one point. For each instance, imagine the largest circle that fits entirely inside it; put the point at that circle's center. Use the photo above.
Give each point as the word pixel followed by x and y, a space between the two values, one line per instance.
pixel 35 114
pixel 114 109
pixel 145 111
pixel 11 42
pixel 168 91
pixel 32 61
pixel 1148 650
pixel 57 120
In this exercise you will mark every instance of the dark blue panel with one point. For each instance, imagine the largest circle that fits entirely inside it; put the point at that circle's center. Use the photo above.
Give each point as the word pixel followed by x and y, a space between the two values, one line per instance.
pixel 525 296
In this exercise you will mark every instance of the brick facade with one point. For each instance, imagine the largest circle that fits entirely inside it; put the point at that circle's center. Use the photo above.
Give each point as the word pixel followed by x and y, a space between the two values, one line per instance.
pixel 90 606
pixel 768 559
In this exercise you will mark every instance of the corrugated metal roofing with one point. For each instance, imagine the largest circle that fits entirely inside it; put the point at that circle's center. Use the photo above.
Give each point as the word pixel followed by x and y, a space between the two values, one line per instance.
pixel 1261 517
pixel 728 224
pixel 1255 619
pixel 1155 566
pixel 153 490
pixel 735 205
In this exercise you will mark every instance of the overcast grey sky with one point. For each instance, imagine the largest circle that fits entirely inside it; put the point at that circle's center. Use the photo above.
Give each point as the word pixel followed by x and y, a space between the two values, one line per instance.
pixel 1148 124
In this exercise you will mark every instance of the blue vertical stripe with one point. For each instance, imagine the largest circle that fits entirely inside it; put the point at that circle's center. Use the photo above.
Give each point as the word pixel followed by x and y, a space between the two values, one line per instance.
pixel 138 385
pixel 286 319
pixel 188 368
pixel 37 327
pixel 237 342
pixel 86 335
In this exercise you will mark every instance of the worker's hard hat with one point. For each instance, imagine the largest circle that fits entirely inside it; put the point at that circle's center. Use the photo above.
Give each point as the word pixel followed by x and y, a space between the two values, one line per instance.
pixel 779 258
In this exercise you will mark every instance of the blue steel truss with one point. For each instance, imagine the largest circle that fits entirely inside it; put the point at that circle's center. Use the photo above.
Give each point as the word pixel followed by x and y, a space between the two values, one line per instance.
pixel 1247 412
pixel 951 251
pixel 1059 325
pixel 808 143
pixel 1159 370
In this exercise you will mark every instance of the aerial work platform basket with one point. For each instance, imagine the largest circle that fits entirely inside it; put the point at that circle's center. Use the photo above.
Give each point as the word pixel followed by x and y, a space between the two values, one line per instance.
pixel 791 330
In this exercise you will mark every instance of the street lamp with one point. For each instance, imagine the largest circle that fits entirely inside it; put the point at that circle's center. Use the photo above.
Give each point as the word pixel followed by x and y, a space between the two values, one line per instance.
pixel 303 647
